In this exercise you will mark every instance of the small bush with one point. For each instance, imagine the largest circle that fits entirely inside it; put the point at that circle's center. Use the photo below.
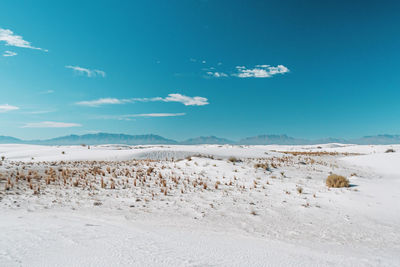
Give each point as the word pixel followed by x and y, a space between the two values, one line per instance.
pixel 264 166
pixel 300 190
pixel 337 181
pixel 233 159
pixel 390 150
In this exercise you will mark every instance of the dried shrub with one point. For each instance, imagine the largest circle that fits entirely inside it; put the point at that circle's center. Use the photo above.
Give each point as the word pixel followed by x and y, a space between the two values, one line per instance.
pixel 300 190
pixel 337 181
pixel 264 166
pixel 233 159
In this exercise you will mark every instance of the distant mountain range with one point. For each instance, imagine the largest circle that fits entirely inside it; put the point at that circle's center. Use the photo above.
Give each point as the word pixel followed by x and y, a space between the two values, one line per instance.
pixel 211 140
pixel 151 139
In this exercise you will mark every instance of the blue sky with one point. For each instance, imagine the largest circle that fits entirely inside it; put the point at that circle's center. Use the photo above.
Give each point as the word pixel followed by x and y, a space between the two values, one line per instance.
pixel 182 69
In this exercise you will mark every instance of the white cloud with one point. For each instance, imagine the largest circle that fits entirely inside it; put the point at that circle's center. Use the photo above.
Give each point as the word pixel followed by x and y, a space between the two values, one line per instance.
pixel 260 71
pixel 158 115
pixel 11 39
pixel 87 72
pixel 35 112
pixel 6 108
pixel 9 54
pixel 101 101
pixel 217 74
pixel 50 124
pixel 145 115
pixel 186 100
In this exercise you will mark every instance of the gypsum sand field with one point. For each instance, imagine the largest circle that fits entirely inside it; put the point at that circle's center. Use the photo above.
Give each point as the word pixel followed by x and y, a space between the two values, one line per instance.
pixel 206 209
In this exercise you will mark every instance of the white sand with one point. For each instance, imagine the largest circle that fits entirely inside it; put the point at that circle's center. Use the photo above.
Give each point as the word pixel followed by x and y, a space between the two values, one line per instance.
pixel 269 225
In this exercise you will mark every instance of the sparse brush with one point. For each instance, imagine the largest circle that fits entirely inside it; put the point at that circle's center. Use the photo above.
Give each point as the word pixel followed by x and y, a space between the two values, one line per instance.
pixel 300 189
pixel 264 166
pixel 337 181
pixel 112 184
pixel 233 159
pixel 150 170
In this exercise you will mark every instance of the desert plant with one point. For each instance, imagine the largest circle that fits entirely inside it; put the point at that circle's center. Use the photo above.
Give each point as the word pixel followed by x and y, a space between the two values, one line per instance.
pixel 264 166
pixel 337 181
pixel 300 189
pixel 233 159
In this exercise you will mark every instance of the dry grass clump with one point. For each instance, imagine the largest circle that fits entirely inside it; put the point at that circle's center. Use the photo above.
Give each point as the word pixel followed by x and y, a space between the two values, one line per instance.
pixel 318 153
pixel 233 159
pixel 264 166
pixel 299 189
pixel 337 181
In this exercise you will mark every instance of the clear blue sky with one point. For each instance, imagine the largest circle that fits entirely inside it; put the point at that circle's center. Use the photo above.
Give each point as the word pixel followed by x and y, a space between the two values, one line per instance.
pixel 182 69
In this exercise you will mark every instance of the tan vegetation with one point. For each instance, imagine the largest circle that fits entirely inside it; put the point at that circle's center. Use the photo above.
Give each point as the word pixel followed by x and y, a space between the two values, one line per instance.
pixel 317 153
pixel 337 181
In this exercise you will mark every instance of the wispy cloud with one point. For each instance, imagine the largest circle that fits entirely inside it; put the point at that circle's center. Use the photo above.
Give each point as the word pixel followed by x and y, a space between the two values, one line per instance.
pixel 128 117
pixel 36 112
pixel 102 101
pixel 186 100
pixel 7 108
pixel 217 74
pixel 9 54
pixel 158 115
pixel 50 124
pixel 260 71
pixel 88 72
pixel 12 39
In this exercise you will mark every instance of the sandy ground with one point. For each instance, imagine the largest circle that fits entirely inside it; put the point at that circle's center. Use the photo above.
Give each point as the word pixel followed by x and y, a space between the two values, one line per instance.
pixel 192 206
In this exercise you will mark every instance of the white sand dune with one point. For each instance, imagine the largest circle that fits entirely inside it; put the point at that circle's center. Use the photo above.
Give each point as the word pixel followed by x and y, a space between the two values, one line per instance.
pixel 254 217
